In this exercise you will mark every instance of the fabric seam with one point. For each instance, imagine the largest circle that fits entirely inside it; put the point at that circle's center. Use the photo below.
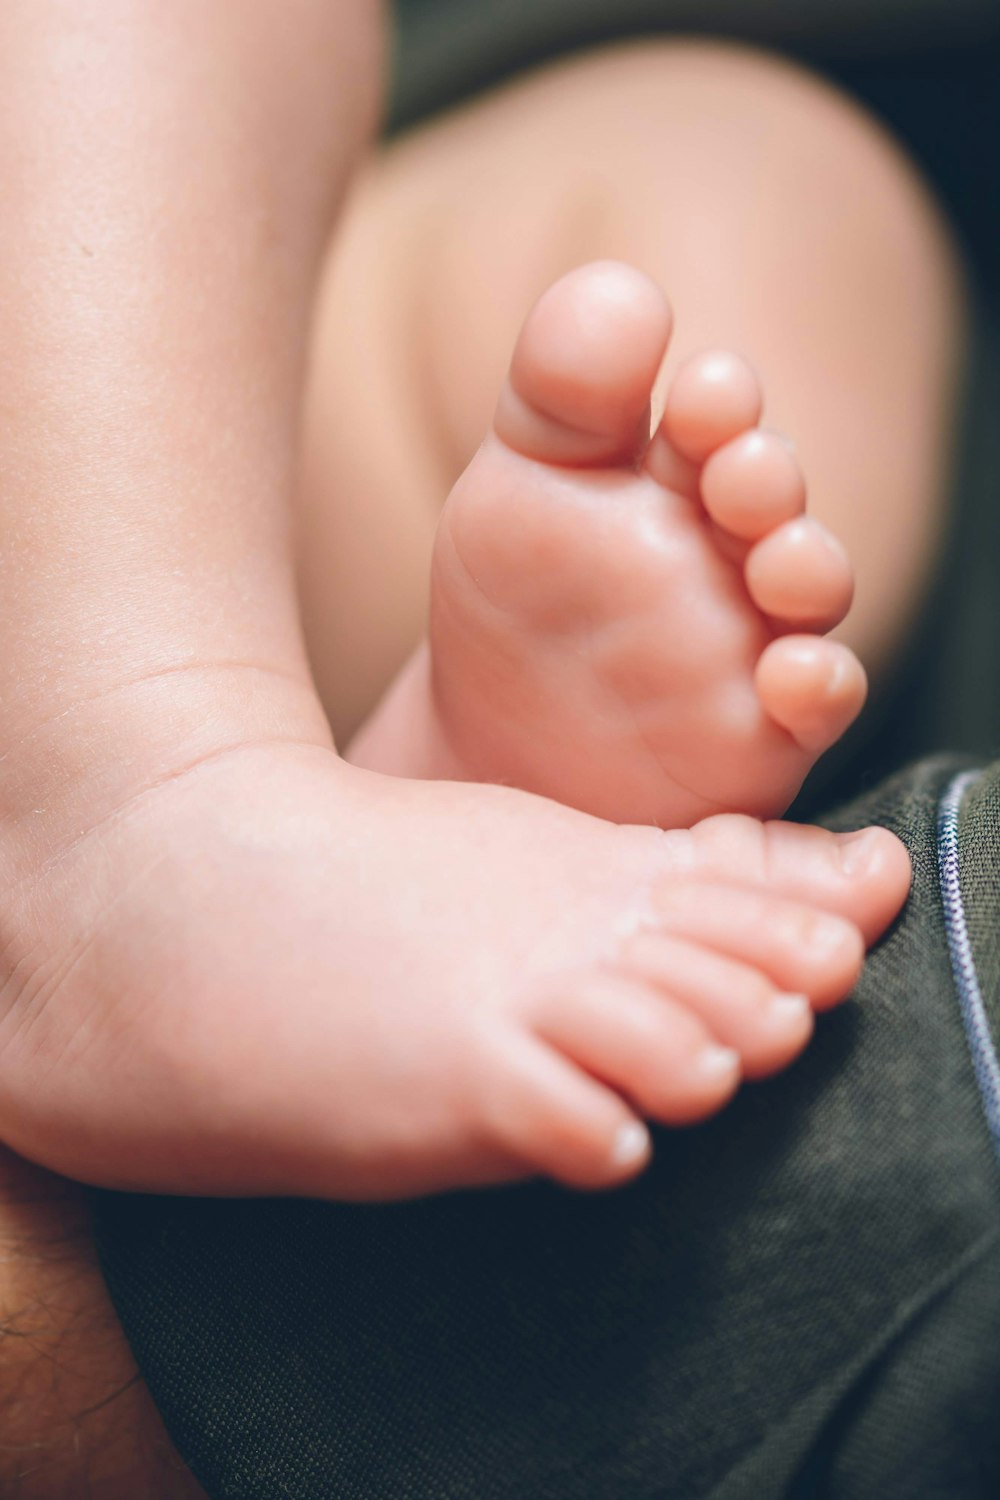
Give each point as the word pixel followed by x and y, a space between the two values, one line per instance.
pixel 985 1064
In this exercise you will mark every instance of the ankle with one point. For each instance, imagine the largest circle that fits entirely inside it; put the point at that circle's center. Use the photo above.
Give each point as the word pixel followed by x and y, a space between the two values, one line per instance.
pixel 73 768
pixel 406 736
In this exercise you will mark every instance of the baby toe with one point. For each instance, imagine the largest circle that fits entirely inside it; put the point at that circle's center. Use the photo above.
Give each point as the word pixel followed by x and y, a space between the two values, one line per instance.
pixel 801 575
pixel 744 1011
pixel 584 366
pixel 713 397
pixel 863 876
pixel 812 687
pixel 753 484
pixel 643 1042
pixel 538 1108
pixel 801 950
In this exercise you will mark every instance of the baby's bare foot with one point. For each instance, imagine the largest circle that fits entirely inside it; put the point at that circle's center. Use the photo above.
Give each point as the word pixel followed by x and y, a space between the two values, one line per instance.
pixel 631 627
pixel 266 971
pixel 269 972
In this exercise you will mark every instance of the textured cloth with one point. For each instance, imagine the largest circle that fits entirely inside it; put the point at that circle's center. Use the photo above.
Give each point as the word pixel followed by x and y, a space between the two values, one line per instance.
pixel 800 1299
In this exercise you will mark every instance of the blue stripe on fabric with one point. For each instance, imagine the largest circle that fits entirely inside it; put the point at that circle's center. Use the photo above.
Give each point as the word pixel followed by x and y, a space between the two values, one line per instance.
pixel 970 996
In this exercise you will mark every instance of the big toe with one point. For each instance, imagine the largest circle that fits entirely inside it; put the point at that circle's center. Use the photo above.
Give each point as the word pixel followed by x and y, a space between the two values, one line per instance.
pixel 583 368
pixel 862 876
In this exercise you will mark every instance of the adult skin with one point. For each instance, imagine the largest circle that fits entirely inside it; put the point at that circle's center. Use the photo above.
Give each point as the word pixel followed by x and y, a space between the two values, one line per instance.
pixel 75 1416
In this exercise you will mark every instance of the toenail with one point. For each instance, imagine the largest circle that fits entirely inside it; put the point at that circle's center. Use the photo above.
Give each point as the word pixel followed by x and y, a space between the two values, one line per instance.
pixel 631 1144
pixel 832 543
pixel 718 1063
pixel 856 851
pixel 837 669
pixel 787 1008
pixel 782 437
pixel 825 938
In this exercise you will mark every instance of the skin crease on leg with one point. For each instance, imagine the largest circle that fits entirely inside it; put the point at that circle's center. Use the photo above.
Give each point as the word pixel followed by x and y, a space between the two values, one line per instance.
pixel 415 336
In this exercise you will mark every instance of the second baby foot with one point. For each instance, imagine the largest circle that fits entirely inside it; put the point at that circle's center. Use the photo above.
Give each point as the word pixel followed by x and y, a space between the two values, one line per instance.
pixel 632 627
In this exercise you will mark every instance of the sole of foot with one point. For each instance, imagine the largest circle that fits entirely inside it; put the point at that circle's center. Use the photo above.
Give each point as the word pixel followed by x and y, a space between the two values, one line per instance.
pixel 633 625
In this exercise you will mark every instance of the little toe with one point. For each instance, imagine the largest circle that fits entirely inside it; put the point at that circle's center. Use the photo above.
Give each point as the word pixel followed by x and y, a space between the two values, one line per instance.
pixel 584 366
pixel 539 1109
pixel 713 397
pixel 802 950
pixel 801 575
pixel 740 1005
pixel 753 484
pixel 813 688
pixel 641 1041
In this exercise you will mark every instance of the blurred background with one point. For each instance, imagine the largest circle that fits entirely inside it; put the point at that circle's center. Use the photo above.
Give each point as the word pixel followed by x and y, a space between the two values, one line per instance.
pixel 930 70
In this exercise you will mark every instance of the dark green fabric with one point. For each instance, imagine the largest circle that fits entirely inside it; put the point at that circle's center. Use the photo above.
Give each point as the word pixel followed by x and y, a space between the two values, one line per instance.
pixel 981 814
pixel 799 1299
